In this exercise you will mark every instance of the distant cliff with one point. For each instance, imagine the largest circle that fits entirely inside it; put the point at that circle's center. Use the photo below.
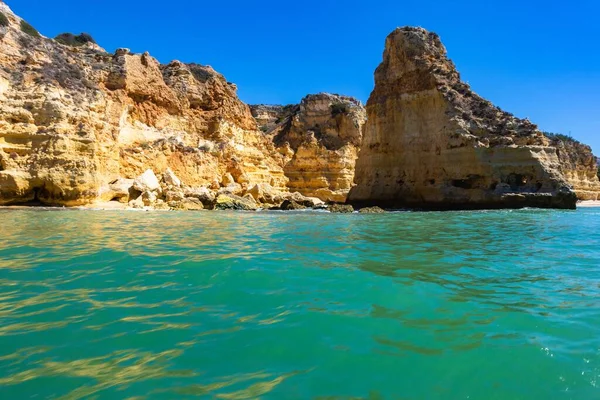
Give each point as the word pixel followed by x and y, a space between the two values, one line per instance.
pixel 578 164
pixel 320 139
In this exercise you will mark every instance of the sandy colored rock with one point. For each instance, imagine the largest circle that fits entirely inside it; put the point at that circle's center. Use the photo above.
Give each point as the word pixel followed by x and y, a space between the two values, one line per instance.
pixel 149 198
pixel 290 205
pixel 161 205
pixel 264 193
pixel 430 142
pixel 136 203
pixel 319 140
pixel 75 120
pixel 174 195
pixel 233 202
pixel 269 116
pixel 119 190
pixel 371 210
pixel 579 166
pixel 312 202
pixel 72 120
pixel 341 208
pixel 171 179
pixel 205 195
pixel 147 182
pixel 227 180
pixel 233 188
pixel 190 204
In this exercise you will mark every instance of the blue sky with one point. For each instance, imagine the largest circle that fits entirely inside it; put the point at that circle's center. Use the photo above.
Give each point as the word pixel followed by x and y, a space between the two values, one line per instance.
pixel 536 59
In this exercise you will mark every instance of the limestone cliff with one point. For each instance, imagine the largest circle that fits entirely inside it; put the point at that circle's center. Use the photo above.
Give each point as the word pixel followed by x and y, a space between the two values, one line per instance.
pixel 73 120
pixel 268 117
pixel 320 139
pixel 79 125
pixel 578 164
pixel 430 142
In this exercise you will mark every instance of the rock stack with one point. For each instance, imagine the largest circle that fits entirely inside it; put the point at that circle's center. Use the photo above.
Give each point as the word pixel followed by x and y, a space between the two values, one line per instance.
pixel 430 142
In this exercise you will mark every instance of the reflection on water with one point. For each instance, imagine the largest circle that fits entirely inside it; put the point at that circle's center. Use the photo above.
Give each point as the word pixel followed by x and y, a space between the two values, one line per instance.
pixel 117 305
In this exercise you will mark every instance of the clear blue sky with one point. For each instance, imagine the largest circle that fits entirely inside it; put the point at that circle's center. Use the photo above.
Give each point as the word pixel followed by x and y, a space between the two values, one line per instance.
pixel 537 59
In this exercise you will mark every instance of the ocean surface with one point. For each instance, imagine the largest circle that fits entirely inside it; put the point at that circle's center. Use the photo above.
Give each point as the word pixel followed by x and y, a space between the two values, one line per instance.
pixel 234 305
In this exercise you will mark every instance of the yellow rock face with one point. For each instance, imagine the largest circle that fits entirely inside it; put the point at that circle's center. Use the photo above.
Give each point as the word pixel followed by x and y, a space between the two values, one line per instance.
pixel 74 120
pixel 430 142
pixel 319 139
pixel 579 167
pixel 78 125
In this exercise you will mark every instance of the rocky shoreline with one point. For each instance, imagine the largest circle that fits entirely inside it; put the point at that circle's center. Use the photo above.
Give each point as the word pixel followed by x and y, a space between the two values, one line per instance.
pixel 148 192
pixel 81 127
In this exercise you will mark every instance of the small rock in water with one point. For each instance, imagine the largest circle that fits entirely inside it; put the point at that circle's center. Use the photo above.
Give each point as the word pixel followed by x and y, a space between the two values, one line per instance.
pixel 341 208
pixel 289 205
pixel 233 202
pixel 192 204
pixel 371 210
pixel 311 202
pixel 205 195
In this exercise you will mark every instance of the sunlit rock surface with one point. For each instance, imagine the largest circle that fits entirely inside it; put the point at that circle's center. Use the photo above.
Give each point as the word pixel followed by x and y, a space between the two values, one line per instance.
pixel 430 142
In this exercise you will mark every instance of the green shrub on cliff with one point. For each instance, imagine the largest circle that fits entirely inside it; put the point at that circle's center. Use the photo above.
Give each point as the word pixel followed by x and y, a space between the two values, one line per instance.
pixel 28 29
pixel 69 39
pixel 286 112
pixel 338 108
pixel 3 20
pixel 561 137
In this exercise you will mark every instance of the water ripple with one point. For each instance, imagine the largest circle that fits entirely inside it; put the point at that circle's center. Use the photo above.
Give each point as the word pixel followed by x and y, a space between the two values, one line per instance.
pixel 115 305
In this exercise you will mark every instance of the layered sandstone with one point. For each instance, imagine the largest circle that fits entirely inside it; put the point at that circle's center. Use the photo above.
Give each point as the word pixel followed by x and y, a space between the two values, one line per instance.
pixel 74 120
pixel 578 165
pixel 268 117
pixel 319 139
pixel 431 142
pixel 79 125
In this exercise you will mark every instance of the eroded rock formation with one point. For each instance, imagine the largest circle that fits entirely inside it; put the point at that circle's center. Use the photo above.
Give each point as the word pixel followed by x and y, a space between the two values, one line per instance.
pixel 578 165
pixel 79 125
pixel 74 120
pixel 319 139
pixel 430 142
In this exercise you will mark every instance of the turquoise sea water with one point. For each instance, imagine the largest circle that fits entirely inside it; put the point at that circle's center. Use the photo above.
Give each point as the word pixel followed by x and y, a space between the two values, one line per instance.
pixel 458 305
